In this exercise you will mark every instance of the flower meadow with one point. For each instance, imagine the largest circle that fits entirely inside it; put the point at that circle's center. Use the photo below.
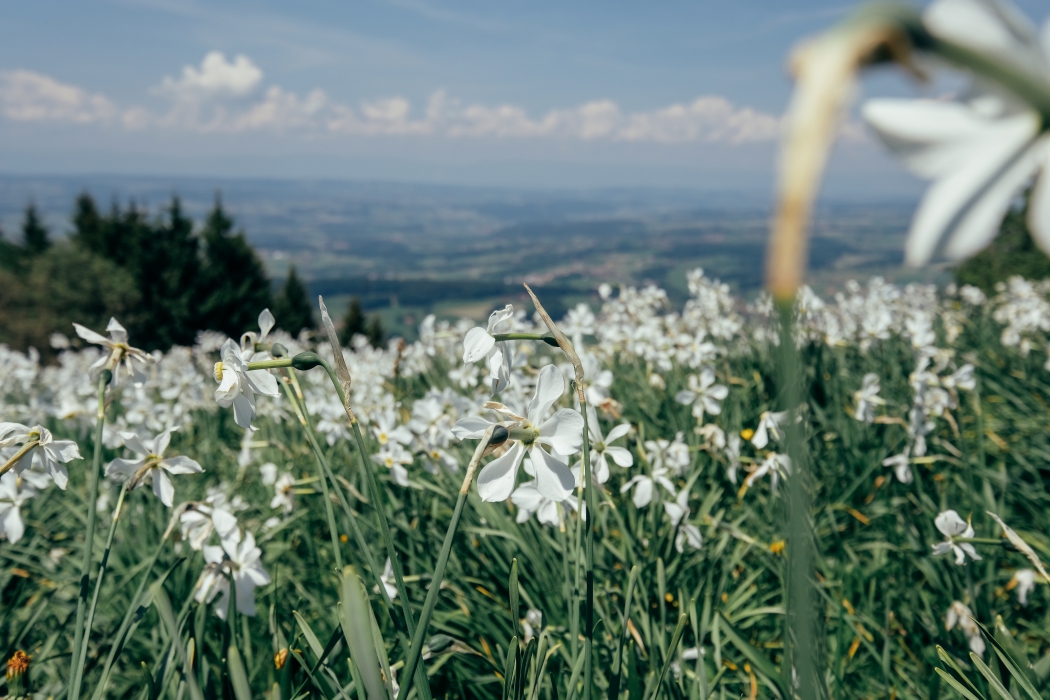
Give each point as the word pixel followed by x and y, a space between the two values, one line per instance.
pixel 794 497
pixel 233 496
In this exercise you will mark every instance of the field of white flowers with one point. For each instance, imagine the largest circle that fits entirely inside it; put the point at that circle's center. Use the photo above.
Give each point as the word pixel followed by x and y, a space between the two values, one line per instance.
pixel 924 414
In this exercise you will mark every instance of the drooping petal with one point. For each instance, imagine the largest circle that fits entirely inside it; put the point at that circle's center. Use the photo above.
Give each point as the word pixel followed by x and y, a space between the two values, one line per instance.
pixel 499 316
pixel 124 467
pixel 550 385
pixel 1039 205
pixel 553 479
pixel 162 486
pixel 245 593
pixel 563 431
pixel 950 524
pixel 263 382
pixel 11 523
pixel 243 411
pixel 476 345
pixel 496 480
pixel 64 450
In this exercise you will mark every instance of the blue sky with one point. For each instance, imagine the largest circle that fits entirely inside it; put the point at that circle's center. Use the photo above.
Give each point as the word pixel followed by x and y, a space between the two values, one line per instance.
pixel 538 93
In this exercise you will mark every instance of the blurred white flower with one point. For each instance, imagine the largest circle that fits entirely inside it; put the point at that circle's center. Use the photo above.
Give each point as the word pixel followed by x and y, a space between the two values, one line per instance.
pixel 529 501
pixel 979 150
pixel 775 465
pixel 40 450
pixel 238 559
pixel 394 457
pixel 1024 581
pixel 768 425
pixel 152 463
pixel 389 582
pixel 704 395
pixel 268 473
pixel 952 527
pixel 284 495
pixel 866 398
pixel 901 464
pixel 678 513
pixel 600 447
pixel 198 520
pixel 14 491
pixel 959 614
pixel 643 486
pixel 123 360
pixel 238 385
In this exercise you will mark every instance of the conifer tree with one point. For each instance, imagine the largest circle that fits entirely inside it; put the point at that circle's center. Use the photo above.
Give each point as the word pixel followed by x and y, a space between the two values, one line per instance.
pixel 292 308
pixel 376 334
pixel 168 269
pixel 10 255
pixel 353 323
pixel 232 286
pixel 35 238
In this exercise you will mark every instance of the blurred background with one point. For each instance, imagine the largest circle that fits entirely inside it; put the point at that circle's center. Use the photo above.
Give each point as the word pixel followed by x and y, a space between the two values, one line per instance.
pixel 181 164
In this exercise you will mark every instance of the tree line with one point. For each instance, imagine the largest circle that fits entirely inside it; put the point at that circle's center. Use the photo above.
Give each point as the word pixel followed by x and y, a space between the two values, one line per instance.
pixel 163 277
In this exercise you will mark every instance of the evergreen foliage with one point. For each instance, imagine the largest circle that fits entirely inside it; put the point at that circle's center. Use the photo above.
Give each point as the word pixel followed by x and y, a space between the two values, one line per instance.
pixel 376 334
pixel 35 237
pixel 353 323
pixel 232 284
pixel 1013 252
pixel 292 308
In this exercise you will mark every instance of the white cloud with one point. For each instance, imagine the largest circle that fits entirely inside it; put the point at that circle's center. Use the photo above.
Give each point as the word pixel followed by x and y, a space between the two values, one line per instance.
pixel 216 77
pixel 217 97
pixel 34 97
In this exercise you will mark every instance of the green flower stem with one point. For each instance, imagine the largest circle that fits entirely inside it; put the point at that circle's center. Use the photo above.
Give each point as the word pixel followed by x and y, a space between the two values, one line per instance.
pixel 332 529
pixel 981 540
pixel 98 585
pixel 271 364
pixel 18 456
pixel 125 624
pixel 591 524
pixel 416 649
pixel 75 671
pixel 801 619
pixel 359 537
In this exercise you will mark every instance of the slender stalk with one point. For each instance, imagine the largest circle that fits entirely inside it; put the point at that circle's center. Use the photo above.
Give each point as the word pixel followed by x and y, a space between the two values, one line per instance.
pixel 22 451
pixel 548 339
pixel 329 512
pixel 801 638
pixel 416 649
pixel 75 671
pixel 118 642
pixel 359 537
pixel 591 525
pixel 98 581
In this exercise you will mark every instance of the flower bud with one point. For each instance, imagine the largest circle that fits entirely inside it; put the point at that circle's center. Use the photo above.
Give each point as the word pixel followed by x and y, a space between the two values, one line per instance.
pixel 306 360
pixel 18 674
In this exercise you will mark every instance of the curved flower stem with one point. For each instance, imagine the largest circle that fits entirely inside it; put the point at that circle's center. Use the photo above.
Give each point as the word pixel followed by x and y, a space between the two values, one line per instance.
pixel 548 339
pixel 76 672
pixel 98 579
pixel 18 456
pixel 981 540
pixel 416 649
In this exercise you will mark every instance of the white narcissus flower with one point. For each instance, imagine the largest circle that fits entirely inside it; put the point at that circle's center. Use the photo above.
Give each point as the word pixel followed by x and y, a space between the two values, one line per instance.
pixel 704 395
pixel 952 526
pixel 238 385
pixel 45 453
pixel 250 339
pixel 479 343
pixel 678 513
pixel 776 465
pixel 14 491
pixel 867 398
pixel 643 486
pixel 152 462
pixel 198 520
pixel 284 494
pixel 600 447
pixel 562 433
pixel 959 614
pixel 979 150
pixel 237 559
pixel 1024 580
pixel 386 429
pixel 528 500
pixel 123 360
pixel 394 457
pixel 768 424
pixel 901 464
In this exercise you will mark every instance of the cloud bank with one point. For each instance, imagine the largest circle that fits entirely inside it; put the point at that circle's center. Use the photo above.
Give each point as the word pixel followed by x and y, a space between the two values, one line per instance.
pixel 227 96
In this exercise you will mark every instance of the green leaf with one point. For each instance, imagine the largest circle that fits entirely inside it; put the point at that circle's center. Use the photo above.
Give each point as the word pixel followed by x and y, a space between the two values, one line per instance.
pixel 756 657
pixel 990 677
pixel 959 688
pixel 354 617
pixel 167 617
pixel 1006 649
pixel 946 658
pixel 675 639
pixel 238 676
pixel 513 587
pixel 311 638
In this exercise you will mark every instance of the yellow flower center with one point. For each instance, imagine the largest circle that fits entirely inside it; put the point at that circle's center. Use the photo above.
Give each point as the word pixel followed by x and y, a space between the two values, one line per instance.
pixel 218 371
